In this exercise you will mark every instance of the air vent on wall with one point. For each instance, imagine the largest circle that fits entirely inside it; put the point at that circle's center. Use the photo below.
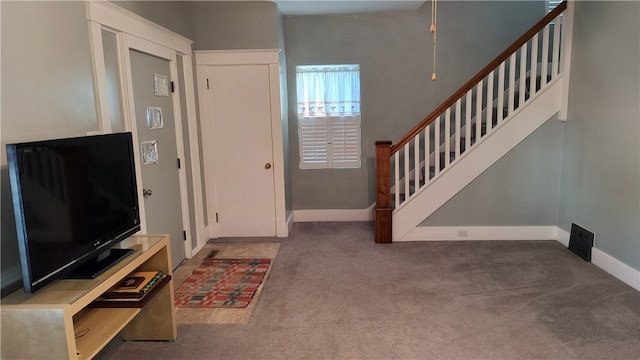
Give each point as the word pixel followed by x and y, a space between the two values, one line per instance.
pixel 581 241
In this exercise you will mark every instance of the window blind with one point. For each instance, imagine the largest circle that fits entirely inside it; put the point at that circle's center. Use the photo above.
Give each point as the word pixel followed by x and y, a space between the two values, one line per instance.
pixel 551 4
pixel 331 142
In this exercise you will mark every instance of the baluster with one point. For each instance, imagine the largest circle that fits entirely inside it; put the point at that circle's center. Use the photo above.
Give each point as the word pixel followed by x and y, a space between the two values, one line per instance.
pixel 489 106
pixel 427 154
pixel 436 143
pixel 457 128
pixel 479 110
pixel 545 56
pixel 447 137
pixel 500 93
pixel 533 75
pixel 512 83
pixel 467 121
pixel 396 178
pixel 416 163
pixel 407 180
pixel 555 63
pixel 523 75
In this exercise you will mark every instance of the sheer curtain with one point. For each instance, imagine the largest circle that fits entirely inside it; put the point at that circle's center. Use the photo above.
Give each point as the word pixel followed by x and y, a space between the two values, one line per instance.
pixel 328 91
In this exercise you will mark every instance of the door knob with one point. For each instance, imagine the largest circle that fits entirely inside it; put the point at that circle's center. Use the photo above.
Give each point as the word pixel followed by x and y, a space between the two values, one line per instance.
pixel 146 192
pixel 267 166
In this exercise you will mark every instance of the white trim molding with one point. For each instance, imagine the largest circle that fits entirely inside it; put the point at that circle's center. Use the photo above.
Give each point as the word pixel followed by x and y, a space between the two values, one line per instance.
pixel 608 263
pixel 563 237
pixel 599 258
pixel 615 267
pixel 290 222
pixel 475 233
pixel 235 57
pixel 115 17
pixel 333 215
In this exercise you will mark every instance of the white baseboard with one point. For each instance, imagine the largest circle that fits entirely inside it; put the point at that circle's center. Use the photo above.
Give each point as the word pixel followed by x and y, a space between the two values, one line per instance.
pixel 333 215
pixel 563 237
pixel 615 267
pixel 466 233
pixel 599 258
pixel 608 263
pixel 290 223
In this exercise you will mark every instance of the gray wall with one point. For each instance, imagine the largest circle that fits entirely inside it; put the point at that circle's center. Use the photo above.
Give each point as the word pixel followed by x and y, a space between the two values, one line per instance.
pixel 521 189
pixel 173 15
pixel 600 180
pixel 47 91
pixel 224 25
pixel 47 85
pixel 395 54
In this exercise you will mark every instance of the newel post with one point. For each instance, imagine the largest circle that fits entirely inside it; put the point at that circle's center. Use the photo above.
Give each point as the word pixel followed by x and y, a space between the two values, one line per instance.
pixel 383 193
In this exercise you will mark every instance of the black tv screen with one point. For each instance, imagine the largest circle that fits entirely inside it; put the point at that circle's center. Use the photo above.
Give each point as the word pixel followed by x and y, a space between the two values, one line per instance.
pixel 73 200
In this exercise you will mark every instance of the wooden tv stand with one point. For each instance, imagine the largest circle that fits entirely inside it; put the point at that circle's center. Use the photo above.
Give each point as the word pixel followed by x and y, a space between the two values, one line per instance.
pixel 61 321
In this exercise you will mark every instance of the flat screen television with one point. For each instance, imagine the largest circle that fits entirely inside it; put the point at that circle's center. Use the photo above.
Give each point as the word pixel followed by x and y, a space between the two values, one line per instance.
pixel 73 200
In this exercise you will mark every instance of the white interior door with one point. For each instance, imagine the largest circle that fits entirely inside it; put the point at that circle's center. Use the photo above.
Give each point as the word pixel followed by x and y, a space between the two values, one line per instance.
pixel 243 188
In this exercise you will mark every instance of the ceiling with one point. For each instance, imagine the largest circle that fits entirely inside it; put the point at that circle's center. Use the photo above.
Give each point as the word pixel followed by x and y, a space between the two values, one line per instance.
pixel 326 7
pixel 330 7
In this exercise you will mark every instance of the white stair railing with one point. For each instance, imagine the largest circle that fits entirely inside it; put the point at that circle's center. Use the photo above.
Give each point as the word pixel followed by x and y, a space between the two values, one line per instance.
pixel 466 119
pixel 477 114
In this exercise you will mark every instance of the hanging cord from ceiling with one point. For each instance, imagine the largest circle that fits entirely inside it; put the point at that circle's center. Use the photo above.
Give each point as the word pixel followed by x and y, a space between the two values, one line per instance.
pixel 434 18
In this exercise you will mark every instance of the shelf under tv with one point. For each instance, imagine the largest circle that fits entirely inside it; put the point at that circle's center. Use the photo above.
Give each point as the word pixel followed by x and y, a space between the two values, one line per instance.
pixel 63 312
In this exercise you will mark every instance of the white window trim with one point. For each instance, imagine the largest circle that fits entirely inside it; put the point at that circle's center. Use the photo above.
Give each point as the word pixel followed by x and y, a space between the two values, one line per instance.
pixel 329 137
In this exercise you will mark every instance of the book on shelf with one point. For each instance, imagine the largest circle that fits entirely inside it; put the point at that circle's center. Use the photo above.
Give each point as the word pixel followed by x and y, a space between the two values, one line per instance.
pixel 131 283
pixel 134 286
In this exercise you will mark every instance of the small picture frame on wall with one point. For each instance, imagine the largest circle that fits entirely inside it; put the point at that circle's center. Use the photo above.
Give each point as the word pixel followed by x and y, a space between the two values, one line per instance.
pixel 154 117
pixel 150 152
pixel 160 85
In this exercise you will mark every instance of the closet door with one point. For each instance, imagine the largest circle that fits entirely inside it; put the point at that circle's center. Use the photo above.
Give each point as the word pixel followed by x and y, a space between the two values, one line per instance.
pixel 243 168
pixel 160 178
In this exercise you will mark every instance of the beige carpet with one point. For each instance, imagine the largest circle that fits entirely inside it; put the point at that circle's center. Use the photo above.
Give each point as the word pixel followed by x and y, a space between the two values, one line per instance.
pixel 334 294
pixel 224 251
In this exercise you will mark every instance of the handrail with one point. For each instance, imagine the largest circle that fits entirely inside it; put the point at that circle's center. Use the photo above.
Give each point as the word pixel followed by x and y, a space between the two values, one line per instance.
pixel 386 153
pixel 481 75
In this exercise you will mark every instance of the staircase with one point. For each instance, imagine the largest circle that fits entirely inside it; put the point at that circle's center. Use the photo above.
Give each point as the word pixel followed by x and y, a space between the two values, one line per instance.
pixel 488 116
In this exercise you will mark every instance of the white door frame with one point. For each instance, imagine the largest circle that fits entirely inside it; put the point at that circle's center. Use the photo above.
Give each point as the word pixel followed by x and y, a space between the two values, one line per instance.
pixel 140 34
pixel 270 57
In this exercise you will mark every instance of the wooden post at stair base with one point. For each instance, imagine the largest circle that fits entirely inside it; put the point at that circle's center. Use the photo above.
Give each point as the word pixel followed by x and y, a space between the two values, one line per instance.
pixel 383 195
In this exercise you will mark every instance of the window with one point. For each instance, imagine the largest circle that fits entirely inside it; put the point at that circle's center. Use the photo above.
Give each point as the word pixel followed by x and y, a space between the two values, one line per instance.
pixel 551 4
pixel 328 116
